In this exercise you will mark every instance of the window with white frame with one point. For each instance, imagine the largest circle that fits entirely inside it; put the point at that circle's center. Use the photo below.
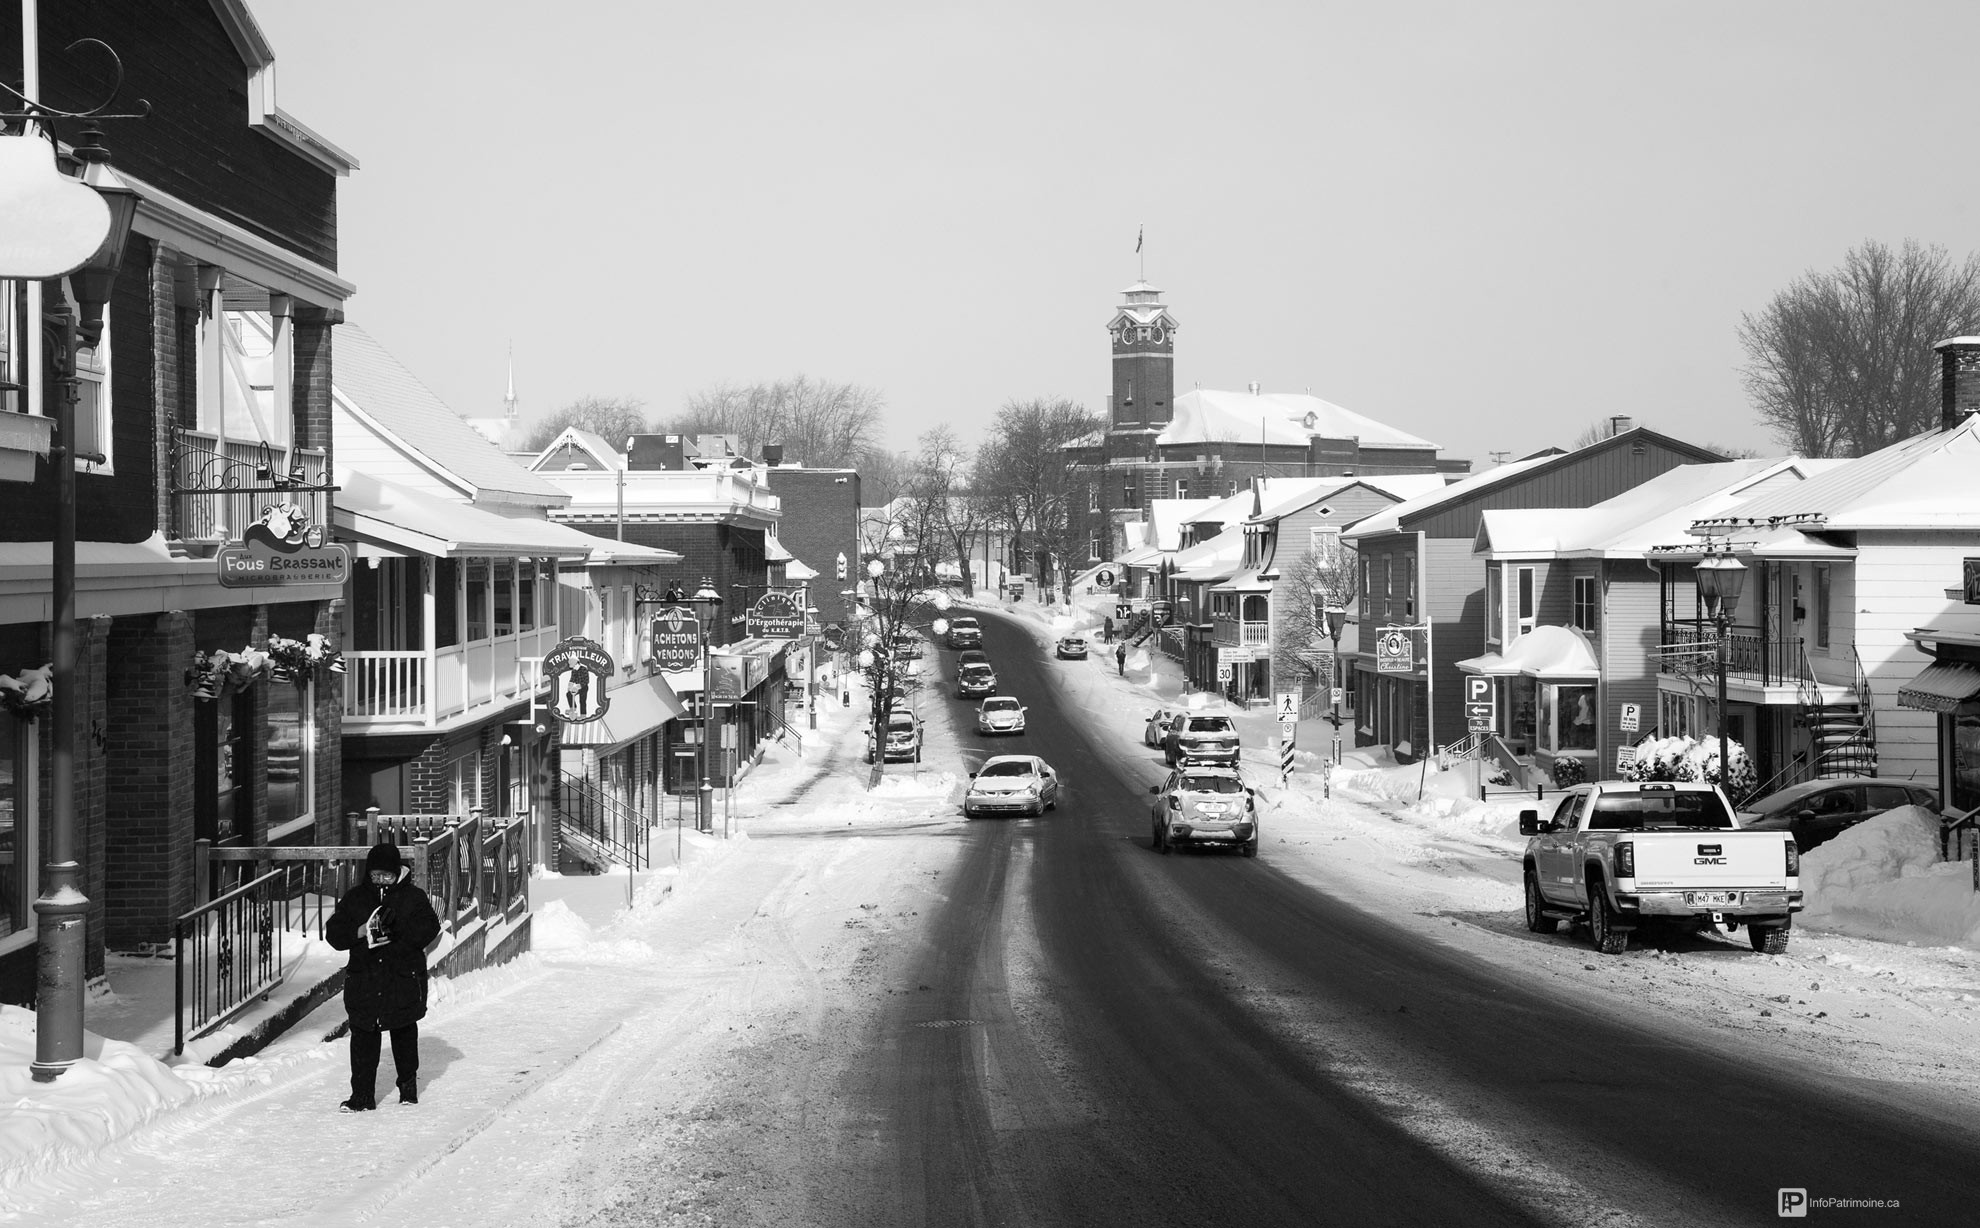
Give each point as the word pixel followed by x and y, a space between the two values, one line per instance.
pixel 13 366
pixel 1093 497
pixel 1388 585
pixel 1093 548
pixel 1528 601
pixel 464 784
pixel 1824 602
pixel 1127 491
pixel 1182 488
pixel 604 627
pixel 1495 604
pixel 1367 593
pixel 290 732
pixel 1409 586
pixel 525 594
pixel 1585 604
pixel 628 634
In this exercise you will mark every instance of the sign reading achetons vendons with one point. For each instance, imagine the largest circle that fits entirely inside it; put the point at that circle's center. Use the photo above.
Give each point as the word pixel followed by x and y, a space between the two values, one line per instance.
pixel 676 639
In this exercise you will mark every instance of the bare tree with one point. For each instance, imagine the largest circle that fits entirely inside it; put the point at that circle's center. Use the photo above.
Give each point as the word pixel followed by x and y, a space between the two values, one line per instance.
pixel 949 514
pixel 1840 363
pixel 613 418
pixel 820 423
pixel 1327 576
pixel 884 476
pixel 1024 478
pixel 895 603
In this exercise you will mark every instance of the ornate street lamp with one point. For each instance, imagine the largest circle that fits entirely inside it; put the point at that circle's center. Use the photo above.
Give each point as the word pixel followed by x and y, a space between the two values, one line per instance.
pixel 707 604
pixel 1721 578
pixel 1336 622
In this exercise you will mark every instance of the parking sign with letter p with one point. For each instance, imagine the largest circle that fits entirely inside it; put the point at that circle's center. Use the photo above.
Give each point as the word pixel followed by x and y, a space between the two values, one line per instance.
pixel 1792 1204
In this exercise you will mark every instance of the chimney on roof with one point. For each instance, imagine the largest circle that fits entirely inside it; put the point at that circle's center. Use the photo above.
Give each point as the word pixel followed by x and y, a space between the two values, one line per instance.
pixel 1959 380
pixel 1619 424
pixel 1253 387
pixel 773 454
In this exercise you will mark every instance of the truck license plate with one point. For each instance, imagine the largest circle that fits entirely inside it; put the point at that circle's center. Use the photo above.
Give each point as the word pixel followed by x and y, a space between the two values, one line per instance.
pixel 1711 899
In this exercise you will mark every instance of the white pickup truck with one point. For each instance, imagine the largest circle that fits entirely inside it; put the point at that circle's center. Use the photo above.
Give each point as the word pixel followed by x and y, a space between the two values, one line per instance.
pixel 1623 854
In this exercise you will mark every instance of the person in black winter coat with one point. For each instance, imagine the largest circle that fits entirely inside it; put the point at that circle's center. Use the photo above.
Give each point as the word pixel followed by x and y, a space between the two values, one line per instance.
pixel 386 923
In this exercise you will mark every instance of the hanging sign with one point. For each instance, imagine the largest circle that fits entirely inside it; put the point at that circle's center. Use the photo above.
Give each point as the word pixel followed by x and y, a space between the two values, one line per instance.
pixel 1395 653
pixel 676 636
pixel 577 670
pixel 281 549
pixel 777 615
pixel 1104 579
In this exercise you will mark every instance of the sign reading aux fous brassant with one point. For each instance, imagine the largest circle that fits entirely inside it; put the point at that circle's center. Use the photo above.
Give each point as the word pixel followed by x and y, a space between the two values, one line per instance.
pixel 777 615
pixel 283 548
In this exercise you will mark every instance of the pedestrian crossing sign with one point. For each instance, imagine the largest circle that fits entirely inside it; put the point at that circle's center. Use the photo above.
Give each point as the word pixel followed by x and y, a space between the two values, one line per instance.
pixel 1288 706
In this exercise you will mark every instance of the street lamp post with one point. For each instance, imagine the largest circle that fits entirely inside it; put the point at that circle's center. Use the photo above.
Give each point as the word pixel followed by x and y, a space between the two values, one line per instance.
pixel 61 909
pixel 1336 622
pixel 1721 577
pixel 707 604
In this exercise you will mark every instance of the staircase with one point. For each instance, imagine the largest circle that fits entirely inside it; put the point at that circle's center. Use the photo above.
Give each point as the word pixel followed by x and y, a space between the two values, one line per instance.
pixel 1843 734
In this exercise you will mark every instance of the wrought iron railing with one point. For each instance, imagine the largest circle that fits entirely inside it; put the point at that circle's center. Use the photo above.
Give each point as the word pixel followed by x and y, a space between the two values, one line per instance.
pixel 619 830
pixel 1691 648
pixel 227 953
pixel 219 491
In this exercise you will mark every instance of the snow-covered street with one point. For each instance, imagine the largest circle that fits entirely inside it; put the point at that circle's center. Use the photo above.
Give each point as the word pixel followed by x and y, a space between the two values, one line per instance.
pixel 665 1063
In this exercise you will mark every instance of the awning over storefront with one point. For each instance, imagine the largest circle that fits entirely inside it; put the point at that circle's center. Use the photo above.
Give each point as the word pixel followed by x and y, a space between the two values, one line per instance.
pixel 637 709
pixel 797 570
pixel 1544 652
pixel 1941 687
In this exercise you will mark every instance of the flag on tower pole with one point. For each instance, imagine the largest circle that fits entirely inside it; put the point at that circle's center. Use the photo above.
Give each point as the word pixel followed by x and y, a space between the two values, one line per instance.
pixel 1137 239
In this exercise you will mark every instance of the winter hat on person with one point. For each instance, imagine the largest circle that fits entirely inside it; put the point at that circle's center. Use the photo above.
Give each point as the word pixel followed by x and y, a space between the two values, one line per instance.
pixel 383 856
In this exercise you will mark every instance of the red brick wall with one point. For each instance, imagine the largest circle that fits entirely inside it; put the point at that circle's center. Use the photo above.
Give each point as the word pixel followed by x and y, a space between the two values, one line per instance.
pixel 148 861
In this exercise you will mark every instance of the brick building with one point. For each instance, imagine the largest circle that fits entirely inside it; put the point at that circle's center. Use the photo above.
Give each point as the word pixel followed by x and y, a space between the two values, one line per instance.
pixel 193 436
pixel 1208 443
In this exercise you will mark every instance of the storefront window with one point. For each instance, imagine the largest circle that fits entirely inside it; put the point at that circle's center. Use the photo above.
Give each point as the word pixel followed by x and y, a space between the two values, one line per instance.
pixel 1570 717
pixel 17 845
pixel 464 785
pixel 1965 763
pixel 1525 727
pixel 525 596
pixel 290 743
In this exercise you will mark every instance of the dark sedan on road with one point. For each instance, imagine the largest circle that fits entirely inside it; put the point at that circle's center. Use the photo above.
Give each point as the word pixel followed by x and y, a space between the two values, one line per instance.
pixel 1072 648
pixel 1818 811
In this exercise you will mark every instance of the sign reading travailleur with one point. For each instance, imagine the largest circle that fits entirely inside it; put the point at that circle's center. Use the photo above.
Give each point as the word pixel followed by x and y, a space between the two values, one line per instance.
pixel 283 548
pixel 576 672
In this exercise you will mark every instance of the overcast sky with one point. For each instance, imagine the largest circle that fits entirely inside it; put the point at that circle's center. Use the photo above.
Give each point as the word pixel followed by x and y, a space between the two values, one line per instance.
pixel 1487 224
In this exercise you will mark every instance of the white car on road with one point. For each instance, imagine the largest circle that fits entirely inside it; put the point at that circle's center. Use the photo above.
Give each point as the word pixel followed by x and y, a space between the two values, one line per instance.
pixel 1012 784
pixel 1000 714
pixel 1204 804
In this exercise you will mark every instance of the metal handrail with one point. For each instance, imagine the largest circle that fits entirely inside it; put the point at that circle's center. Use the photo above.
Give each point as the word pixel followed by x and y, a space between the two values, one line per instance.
pixel 602 818
pixel 236 954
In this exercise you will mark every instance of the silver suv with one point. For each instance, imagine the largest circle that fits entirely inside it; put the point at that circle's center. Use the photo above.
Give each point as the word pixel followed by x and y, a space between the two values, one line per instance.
pixel 1212 739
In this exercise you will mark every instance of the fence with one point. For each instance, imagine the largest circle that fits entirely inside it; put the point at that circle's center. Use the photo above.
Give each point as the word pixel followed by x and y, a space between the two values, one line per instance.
pixel 616 828
pixel 227 952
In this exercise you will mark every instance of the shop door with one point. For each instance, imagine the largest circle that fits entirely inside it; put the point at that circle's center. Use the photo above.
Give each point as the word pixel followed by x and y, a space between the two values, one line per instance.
pixel 220 756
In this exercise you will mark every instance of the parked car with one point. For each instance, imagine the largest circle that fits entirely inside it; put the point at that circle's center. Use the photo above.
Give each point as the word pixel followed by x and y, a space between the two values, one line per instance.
pixel 1205 805
pixel 1000 714
pixel 1158 725
pixel 975 680
pixel 907 646
pixel 1626 854
pixel 1012 784
pixel 903 738
pixel 1072 648
pixel 965 632
pixel 1817 811
pixel 1200 737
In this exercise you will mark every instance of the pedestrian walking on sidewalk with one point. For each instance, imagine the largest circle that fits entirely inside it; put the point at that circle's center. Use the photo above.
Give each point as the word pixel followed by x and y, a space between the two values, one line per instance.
pixel 1107 631
pixel 386 923
pixel 1120 657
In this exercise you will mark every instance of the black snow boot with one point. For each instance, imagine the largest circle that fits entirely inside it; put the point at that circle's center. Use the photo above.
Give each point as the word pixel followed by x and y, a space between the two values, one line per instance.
pixel 409 1092
pixel 356 1104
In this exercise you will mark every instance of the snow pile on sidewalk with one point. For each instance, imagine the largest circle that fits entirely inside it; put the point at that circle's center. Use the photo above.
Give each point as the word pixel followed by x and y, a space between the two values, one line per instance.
pixel 1883 879
pixel 1447 801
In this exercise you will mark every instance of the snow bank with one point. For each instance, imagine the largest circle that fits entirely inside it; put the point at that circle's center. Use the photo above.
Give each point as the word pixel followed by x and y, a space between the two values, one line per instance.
pixel 1883 879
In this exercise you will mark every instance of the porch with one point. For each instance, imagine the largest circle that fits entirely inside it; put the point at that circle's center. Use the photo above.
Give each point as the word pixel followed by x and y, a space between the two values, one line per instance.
pixel 430 687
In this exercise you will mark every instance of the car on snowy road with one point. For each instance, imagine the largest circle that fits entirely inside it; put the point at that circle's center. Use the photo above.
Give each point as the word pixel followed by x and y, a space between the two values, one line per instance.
pixel 1203 737
pixel 965 632
pixel 1204 805
pixel 903 738
pixel 1072 648
pixel 1000 714
pixel 1012 784
pixel 975 680
pixel 1158 725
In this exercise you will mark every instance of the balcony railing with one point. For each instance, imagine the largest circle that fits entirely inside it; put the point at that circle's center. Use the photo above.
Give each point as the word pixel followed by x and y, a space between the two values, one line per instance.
pixel 1751 655
pixel 1231 631
pixel 216 492
pixel 418 687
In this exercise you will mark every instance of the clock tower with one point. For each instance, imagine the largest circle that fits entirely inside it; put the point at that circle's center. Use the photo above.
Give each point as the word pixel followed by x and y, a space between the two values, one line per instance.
pixel 1144 336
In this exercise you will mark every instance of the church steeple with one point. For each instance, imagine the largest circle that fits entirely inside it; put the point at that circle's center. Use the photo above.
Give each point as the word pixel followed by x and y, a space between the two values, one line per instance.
pixel 1144 359
pixel 509 403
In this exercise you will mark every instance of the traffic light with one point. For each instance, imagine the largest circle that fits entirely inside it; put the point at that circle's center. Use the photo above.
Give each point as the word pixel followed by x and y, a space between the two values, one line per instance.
pixel 842 567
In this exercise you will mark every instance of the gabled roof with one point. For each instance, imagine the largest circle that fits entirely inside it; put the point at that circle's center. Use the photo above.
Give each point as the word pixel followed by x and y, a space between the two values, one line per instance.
pixel 1206 415
pixel 1216 559
pixel 1925 482
pixel 370 511
pixel 1166 518
pixel 560 452
pixel 390 402
pixel 1391 519
pixel 1652 514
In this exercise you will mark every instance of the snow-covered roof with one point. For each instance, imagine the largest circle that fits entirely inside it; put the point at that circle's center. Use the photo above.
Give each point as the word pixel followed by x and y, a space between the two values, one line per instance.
pixel 1206 415
pixel 1216 559
pixel 1545 652
pixel 1653 514
pixel 1166 517
pixel 386 398
pixel 559 452
pixel 1388 518
pixel 1925 482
